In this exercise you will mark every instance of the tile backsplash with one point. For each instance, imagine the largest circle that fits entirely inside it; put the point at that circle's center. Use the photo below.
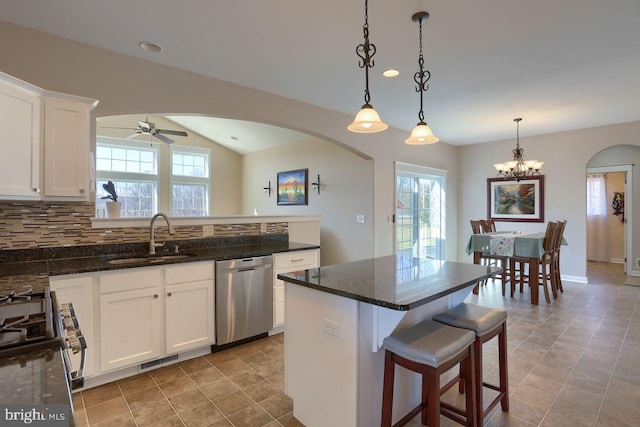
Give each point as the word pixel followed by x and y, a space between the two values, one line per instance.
pixel 29 225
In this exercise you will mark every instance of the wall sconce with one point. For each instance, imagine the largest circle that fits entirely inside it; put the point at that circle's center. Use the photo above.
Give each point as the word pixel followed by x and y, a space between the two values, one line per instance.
pixel 267 189
pixel 316 185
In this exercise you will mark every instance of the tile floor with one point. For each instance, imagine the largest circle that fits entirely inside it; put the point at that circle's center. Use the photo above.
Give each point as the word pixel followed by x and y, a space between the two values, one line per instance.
pixel 574 362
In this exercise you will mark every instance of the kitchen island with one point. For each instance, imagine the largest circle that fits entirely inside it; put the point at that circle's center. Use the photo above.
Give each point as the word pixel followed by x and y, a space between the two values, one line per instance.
pixel 336 319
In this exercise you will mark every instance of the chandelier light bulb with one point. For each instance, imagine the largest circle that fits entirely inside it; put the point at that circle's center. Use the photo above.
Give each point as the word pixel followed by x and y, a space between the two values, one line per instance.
pixel 422 135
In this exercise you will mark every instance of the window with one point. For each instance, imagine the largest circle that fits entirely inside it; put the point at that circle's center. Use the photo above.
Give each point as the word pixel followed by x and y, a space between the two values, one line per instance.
pixel 133 168
pixel 420 211
pixel 189 181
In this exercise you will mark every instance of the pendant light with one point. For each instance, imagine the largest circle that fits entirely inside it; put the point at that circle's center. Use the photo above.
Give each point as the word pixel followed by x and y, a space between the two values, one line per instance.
pixel 422 133
pixel 367 120
pixel 518 168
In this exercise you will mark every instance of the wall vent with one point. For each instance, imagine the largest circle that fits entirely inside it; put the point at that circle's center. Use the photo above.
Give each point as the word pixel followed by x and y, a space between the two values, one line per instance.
pixel 157 362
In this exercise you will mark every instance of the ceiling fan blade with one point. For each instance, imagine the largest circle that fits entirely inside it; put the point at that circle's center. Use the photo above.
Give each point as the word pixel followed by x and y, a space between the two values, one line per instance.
pixel 163 138
pixel 172 132
pixel 133 135
pixel 115 127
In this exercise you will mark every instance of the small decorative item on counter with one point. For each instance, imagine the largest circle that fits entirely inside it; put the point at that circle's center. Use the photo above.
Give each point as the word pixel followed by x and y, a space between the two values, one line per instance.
pixel 113 207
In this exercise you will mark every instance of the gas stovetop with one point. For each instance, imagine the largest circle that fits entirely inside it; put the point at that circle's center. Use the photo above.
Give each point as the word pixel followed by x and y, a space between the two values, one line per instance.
pixel 27 322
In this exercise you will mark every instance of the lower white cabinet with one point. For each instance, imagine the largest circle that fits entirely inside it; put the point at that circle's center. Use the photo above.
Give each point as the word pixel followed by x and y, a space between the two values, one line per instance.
pixel 286 262
pixel 168 309
pixel 130 327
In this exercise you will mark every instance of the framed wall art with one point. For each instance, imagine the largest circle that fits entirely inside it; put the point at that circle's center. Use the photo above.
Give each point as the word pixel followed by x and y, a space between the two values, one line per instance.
pixel 511 200
pixel 293 187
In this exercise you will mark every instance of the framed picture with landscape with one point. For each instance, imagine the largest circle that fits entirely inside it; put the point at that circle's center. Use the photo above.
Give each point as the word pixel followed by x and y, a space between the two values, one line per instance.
pixel 511 200
pixel 293 187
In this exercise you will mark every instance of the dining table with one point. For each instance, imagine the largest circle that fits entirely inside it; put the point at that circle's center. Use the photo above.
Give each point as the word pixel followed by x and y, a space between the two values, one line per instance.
pixel 511 244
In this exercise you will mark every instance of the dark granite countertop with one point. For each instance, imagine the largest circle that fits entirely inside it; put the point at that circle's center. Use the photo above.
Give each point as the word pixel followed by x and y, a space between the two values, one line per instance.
pixel 396 282
pixel 21 270
pixel 35 378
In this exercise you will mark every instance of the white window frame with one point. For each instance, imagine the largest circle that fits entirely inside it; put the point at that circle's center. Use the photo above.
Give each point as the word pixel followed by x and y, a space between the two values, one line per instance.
pixel 191 180
pixel 416 171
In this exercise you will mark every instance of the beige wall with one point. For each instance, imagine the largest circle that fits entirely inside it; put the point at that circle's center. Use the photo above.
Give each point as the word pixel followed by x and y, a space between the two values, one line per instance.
pixel 126 85
pixel 345 192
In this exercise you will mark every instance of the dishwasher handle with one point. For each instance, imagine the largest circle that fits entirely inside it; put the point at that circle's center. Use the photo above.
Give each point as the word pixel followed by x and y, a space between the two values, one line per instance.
pixel 255 267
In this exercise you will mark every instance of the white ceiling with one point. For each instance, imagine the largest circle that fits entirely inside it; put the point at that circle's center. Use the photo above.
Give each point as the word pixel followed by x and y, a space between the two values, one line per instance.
pixel 559 64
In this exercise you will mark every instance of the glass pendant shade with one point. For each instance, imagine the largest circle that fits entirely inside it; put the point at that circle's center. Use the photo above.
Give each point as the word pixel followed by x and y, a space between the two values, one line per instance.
pixel 422 135
pixel 367 121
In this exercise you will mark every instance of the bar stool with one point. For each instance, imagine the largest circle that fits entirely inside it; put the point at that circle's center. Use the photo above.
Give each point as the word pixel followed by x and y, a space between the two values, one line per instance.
pixel 486 323
pixel 430 349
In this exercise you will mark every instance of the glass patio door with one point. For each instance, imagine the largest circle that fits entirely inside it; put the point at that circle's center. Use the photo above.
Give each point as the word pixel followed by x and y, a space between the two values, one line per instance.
pixel 420 226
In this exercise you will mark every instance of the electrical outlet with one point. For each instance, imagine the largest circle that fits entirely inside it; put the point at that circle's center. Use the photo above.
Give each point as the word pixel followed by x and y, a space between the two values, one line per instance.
pixel 330 327
pixel 360 219
pixel 207 231
pixel 263 228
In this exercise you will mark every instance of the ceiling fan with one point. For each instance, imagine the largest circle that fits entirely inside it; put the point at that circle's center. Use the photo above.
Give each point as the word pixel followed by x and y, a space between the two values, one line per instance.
pixel 148 128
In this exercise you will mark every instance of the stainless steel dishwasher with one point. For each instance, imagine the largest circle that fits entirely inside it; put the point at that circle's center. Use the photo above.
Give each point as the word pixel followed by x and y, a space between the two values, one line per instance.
pixel 244 298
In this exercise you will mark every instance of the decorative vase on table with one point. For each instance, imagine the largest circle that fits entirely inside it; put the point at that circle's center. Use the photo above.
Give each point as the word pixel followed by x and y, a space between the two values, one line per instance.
pixel 113 209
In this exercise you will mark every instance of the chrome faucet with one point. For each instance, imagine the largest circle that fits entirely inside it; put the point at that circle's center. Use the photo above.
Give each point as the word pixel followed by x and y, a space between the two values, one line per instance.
pixel 152 241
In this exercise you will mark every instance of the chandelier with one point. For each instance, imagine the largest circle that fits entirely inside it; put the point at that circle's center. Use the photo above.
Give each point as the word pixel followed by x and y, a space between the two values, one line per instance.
pixel 518 168
pixel 422 133
pixel 367 120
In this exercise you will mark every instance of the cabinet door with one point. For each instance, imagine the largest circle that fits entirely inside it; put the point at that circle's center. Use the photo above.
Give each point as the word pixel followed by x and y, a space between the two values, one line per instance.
pixel 19 143
pixel 66 149
pixel 79 292
pixel 131 327
pixel 287 262
pixel 189 316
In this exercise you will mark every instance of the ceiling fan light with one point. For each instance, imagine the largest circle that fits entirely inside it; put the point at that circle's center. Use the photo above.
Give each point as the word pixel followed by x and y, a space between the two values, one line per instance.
pixel 367 121
pixel 422 135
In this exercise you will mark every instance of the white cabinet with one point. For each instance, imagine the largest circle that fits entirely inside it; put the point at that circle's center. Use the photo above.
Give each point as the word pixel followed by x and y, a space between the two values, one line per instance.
pixel 66 148
pixel 19 141
pixel 286 262
pixel 147 313
pixel 78 290
pixel 45 142
pixel 189 306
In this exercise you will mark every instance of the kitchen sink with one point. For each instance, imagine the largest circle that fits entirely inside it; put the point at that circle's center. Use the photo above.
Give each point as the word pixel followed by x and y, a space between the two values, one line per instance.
pixel 152 259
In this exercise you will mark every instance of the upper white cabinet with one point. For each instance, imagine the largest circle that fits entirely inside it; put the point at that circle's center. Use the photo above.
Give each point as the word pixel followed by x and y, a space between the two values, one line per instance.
pixel 66 148
pixel 19 141
pixel 45 143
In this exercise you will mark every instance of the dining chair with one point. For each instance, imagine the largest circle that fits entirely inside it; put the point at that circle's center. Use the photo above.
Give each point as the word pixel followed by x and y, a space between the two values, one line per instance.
pixel 556 249
pixel 546 271
pixel 482 226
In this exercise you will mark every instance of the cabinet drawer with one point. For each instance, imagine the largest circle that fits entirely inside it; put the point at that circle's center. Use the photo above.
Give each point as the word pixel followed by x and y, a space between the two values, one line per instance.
pixel 131 278
pixel 189 272
pixel 296 260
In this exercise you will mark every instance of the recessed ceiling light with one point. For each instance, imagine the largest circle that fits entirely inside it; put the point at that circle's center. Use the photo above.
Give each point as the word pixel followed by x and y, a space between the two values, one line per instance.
pixel 150 47
pixel 391 72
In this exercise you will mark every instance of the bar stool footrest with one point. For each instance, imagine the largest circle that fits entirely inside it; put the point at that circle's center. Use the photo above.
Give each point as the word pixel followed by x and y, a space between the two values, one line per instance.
pixel 453 413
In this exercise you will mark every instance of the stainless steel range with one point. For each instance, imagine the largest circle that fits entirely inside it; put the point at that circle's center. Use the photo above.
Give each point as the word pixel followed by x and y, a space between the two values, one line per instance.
pixel 31 321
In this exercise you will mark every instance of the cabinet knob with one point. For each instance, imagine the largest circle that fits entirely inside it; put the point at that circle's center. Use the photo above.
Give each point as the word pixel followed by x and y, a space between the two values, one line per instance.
pixel 155 295
pixel 297 260
pixel 168 294
pixel 82 191
pixel 36 190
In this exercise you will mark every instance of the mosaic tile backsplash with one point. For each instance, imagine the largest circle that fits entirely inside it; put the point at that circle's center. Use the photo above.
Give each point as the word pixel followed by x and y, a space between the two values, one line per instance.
pixel 30 225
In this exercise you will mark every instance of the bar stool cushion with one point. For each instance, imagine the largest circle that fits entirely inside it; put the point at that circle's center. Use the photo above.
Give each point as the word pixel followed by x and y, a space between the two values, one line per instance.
pixel 429 343
pixel 473 317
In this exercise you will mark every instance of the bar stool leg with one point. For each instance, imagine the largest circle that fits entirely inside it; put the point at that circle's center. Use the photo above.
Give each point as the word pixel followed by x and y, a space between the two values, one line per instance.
pixel 387 392
pixel 504 374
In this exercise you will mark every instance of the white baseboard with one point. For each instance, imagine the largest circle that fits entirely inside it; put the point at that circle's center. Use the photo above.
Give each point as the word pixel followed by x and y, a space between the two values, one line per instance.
pixel 576 279
pixel 617 260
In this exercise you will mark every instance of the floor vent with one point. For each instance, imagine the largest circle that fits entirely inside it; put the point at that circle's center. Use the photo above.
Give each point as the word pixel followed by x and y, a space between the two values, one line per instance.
pixel 157 362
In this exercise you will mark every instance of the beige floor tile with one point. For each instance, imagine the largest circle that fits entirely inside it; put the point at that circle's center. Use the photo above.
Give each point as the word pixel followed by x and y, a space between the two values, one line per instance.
pixel 124 420
pixel 105 410
pixel 177 386
pixel 166 374
pixel 233 367
pixel 188 400
pixel 206 376
pixel 232 403
pixel 194 365
pixel 278 405
pixel 219 388
pixel 252 416
pixel 202 415
pixel 144 397
pixel 152 412
pixel 136 383
pixel 101 394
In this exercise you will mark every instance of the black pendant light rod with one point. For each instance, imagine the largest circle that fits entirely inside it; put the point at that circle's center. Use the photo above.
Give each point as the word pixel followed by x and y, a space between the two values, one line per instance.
pixel 422 76
pixel 366 51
